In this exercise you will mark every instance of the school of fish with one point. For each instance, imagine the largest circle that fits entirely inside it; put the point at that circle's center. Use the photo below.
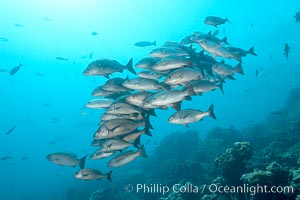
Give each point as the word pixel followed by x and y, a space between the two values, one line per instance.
pixel 171 74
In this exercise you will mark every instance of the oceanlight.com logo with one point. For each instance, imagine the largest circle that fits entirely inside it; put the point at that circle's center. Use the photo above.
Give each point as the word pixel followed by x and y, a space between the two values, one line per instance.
pixel 207 188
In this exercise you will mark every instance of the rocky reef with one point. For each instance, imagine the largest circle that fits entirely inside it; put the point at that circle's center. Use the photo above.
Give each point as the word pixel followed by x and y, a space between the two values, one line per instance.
pixel 232 163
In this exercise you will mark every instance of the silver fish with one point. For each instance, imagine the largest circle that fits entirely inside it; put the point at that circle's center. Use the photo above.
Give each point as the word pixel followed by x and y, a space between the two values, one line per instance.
pixel 144 84
pixel 135 135
pixel 15 69
pixel 66 159
pixel 99 103
pixel 172 62
pixel 183 75
pixel 147 63
pixel 201 86
pixel 114 145
pixel 242 52
pixel 122 108
pixel 145 43
pixel 208 36
pixel 61 58
pixel 106 67
pixel 217 49
pixel 132 116
pixel 215 21
pixel 150 75
pixel 180 47
pixel 100 92
pixel 92 174
pixel 189 116
pixel 100 155
pixel 227 70
pixel 138 99
pixel 286 50
pixel 166 98
pixel 127 157
pixel 166 52
pixel 116 127
pixel 115 85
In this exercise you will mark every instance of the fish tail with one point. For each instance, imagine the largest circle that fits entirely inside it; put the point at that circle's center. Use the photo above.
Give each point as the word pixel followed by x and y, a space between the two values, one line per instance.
pixel 189 91
pixel 221 87
pixel 239 69
pixel 152 112
pixel 137 142
pixel 251 51
pixel 129 66
pixel 82 162
pixel 142 151
pixel 147 132
pixel 211 111
pixel 147 122
pixel 108 176
pixel 224 40
pixel 154 43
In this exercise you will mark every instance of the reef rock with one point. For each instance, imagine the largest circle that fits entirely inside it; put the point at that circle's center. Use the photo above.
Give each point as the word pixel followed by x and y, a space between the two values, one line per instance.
pixel 295 180
pixel 258 177
pixel 232 164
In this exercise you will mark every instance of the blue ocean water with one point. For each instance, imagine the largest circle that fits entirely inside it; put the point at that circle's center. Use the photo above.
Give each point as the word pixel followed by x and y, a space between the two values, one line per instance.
pixel 45 100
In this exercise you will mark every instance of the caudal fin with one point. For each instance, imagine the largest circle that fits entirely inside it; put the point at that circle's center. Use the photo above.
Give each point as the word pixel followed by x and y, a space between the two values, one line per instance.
pixel 137 142
pixel 129 66
pixel 108 176
pixel 148 124
pixel 221 87
pixel 154 43
pixel 147 132
pixel 152 112
pixel 142 151
pixel 251 51
pixel 189 92
pixel 224 40
pixel 82 162
pixel 211 111
pixel 239 69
